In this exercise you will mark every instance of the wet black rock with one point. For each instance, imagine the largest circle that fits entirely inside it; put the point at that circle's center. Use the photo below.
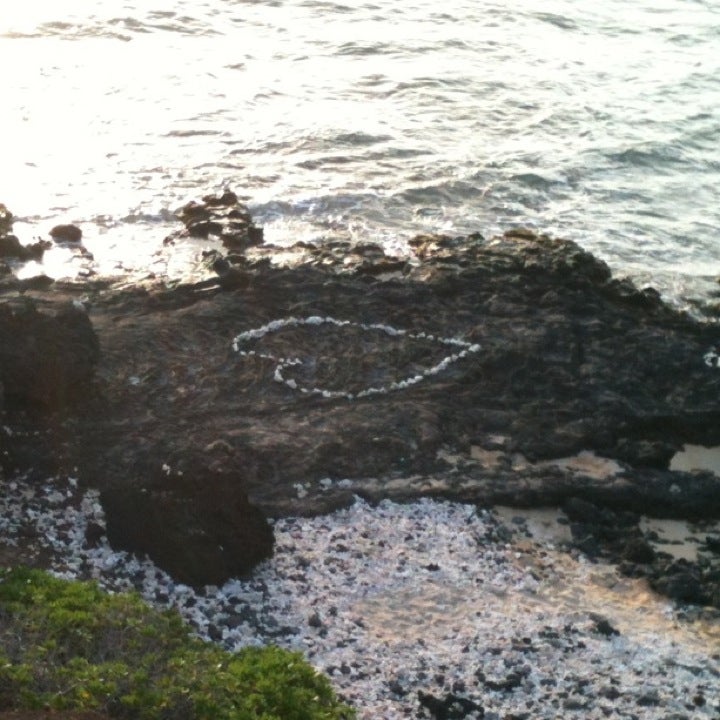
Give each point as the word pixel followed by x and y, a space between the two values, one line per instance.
pixel 222 216
pixel 582 511
pixel 28 447
pixel 230 277
pixel 12 248
pixel 66 234
pixel 648 453
pixel 6 220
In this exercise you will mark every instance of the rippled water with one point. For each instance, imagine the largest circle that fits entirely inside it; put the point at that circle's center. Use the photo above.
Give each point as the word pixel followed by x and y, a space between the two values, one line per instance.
pixel 595 121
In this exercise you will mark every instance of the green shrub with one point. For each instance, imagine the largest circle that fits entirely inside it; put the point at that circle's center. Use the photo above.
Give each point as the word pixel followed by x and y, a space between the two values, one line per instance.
pixel 68 645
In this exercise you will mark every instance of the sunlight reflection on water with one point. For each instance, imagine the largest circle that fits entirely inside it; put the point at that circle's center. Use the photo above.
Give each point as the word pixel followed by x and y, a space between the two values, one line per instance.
pixel 586 121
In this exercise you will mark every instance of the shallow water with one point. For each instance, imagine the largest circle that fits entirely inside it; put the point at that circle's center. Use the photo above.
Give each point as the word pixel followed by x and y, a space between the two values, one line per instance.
pixel 598 123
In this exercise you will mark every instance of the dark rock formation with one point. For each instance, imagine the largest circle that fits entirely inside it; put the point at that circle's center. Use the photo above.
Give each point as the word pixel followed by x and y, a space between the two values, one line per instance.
pixel 191 519
pixel 222 216
pixel 47 358
pixel 66 233
pixel 6 220
pixel 616 536
pixel 35 282
pixel 683 581
pixel 12 248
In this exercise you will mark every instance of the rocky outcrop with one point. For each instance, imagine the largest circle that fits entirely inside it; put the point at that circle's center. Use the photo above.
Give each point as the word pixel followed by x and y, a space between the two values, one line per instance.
pixel 66 234
pixel 474 369
pixel 616 535
pixel 47 357
pixel 221 216
pixel 6 220
pixel 11 247
pixel 191 519
pixel 522 349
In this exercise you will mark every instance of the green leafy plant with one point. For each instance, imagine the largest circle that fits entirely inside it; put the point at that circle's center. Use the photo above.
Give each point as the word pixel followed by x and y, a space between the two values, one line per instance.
pixel 69 645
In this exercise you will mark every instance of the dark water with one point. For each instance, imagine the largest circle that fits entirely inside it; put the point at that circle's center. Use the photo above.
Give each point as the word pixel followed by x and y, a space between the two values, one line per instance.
pixel 598 122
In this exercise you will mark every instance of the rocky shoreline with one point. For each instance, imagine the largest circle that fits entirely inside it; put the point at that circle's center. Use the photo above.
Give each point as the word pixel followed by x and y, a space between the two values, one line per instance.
pixel 427 609
pixel 296 382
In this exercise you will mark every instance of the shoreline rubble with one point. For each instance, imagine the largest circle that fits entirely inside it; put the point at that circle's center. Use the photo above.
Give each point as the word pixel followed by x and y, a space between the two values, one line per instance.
pixel 423 609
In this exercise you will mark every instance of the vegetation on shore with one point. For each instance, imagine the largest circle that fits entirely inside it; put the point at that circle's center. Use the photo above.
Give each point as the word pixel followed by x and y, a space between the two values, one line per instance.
pixel 69 645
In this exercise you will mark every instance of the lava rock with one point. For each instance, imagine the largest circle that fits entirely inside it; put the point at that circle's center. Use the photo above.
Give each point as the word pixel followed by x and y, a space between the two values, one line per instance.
pixel 36 282
pixel 648 453
pixel 638 550
pixel 223 216
pixel 450 706
pixel 712 542
pixel 47 359
pixel 6 220
pixel 231 277
pixel 682 583
pixel 507 684
pixel 193 521
pixel 66 233
pixel 582 511
pixel 11 247
pixel 603 627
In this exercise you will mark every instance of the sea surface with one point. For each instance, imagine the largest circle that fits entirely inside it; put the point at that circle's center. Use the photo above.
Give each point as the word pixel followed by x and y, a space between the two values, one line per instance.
pixel 598 122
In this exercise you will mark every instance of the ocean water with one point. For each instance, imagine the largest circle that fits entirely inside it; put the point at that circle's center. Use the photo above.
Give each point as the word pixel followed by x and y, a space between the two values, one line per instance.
pixel 599 122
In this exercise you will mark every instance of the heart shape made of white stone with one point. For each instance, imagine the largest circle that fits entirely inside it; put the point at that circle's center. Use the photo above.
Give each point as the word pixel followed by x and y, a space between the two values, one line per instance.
pixel 461 349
